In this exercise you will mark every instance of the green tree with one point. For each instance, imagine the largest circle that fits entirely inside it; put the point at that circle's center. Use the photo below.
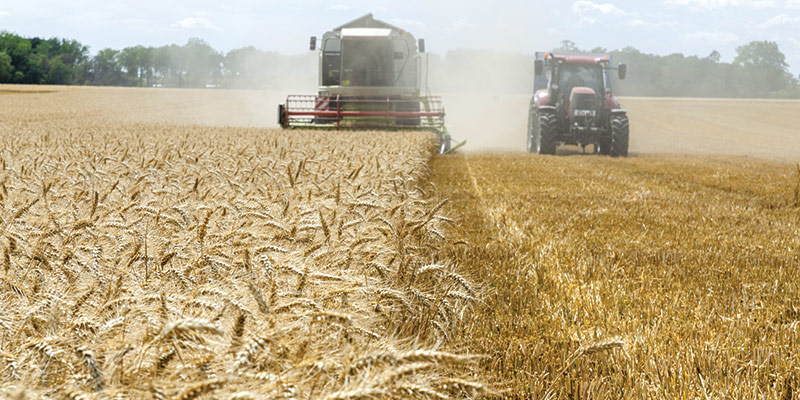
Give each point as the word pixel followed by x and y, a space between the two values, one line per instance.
pixel 6 69
pixel 763 69
pixel 202 63
pixel 568 46
pixel 247 67
pixel 26 70
pixel 58 73
pixel 106 69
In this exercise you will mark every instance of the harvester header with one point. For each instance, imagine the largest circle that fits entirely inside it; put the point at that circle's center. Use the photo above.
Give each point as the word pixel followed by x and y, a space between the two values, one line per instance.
pixel 372 75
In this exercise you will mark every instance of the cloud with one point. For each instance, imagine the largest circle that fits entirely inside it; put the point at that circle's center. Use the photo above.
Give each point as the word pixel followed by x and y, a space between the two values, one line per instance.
pixel 460 24
pixel 792 3
pixel 4 14
pixel 635 22
pixel 589 12
pixel 721 4
pixel 779 20
pixel 195 23
pixel 712 37
pixel 583 7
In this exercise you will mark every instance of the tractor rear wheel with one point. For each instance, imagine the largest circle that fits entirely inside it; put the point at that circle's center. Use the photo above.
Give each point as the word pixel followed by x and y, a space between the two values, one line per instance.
pixel 619 136
pixel 548 132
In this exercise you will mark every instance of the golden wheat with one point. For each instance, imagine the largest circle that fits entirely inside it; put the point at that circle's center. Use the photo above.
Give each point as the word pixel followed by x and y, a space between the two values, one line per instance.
pixel 145 257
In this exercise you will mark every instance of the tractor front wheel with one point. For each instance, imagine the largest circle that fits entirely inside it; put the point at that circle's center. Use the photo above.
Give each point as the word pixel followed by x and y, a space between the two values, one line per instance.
pixel 619 136
pixel 533 132
pixel 548 133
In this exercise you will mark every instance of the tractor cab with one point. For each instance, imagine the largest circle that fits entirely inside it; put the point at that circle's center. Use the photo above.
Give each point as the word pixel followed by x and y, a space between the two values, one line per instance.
pixel 577 90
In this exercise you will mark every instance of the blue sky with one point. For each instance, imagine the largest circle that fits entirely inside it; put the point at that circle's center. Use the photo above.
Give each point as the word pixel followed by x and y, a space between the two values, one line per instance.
pixel 660 26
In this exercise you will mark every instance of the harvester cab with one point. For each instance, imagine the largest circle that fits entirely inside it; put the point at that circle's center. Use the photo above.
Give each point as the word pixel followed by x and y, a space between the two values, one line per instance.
pixel 372 75
pixel 573 104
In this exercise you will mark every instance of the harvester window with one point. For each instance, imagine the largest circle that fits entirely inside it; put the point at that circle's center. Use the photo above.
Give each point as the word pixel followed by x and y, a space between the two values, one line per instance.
pixel 367 62
pixel 401 60
pixel 331 62
pixel 580 75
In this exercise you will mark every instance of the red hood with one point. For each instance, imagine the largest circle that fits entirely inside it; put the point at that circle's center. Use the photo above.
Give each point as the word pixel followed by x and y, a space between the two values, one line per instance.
pixel 581 90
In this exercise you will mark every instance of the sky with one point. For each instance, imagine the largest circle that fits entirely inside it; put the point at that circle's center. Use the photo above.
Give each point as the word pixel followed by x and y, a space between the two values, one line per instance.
pixel 691 27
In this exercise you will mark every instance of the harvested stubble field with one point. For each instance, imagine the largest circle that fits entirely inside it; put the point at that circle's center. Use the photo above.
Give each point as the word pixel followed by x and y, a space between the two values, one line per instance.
pixel 146 257
pixel 650 277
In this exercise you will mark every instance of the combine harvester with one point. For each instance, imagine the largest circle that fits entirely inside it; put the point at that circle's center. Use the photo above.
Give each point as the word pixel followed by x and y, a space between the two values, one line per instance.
pixel 371 76
pixel 573 104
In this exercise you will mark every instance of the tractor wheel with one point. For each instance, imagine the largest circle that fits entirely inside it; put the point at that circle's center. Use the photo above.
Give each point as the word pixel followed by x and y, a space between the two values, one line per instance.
pixel 548 132
pixel 619 136
pixel 533 132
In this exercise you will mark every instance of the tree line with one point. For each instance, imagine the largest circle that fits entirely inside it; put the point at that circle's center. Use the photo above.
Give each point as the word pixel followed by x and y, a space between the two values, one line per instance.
pixel 192 65
pixel 758 70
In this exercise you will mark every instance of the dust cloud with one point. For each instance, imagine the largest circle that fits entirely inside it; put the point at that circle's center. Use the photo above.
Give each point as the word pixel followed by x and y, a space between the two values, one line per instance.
pixel 486 94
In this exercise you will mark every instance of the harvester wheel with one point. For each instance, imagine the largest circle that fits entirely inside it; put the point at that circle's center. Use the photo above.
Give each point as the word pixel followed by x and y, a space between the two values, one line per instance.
pixel 282 120
pixel 548 131
pixel 619 136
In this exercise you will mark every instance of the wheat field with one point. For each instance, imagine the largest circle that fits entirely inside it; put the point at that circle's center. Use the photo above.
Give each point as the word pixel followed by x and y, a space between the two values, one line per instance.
pixel 171 244
pixel 150 252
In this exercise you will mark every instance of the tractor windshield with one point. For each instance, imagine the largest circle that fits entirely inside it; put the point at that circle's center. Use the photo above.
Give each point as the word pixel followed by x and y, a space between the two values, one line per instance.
pixel 367 62
pixel 577 75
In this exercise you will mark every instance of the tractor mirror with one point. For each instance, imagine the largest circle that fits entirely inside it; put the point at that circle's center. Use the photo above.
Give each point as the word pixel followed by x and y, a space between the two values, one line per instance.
pixel 622 71
pixel 538 67
pixel 313 45
pixel 422 45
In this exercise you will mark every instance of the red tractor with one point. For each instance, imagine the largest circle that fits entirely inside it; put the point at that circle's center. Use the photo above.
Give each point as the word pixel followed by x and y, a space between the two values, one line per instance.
pixel 573 104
